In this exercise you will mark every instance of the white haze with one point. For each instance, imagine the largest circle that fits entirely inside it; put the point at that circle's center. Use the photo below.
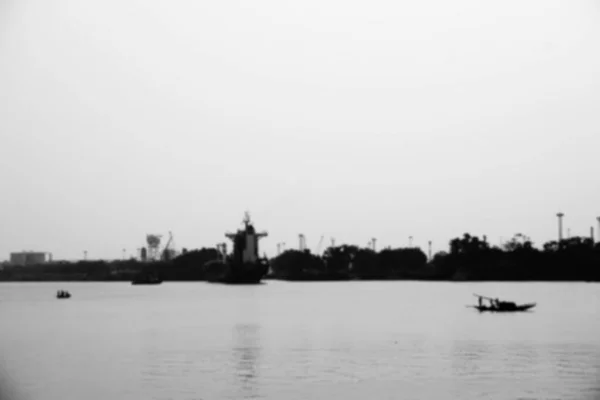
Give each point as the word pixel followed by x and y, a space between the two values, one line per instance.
pixel 348 119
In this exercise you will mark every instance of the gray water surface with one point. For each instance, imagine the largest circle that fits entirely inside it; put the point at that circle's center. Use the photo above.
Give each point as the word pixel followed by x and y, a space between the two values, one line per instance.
pixel 280 340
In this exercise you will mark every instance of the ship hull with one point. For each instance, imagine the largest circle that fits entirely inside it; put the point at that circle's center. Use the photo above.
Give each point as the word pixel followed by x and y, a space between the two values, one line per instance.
pixel 519 308
pixel 246 274
pixel 145 282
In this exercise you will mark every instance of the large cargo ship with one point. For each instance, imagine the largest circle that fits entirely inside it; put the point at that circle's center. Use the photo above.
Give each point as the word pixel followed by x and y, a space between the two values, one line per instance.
pixel 244 265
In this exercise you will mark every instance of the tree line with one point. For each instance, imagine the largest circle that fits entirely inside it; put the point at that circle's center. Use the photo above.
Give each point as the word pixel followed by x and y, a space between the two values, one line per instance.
pixel 468 258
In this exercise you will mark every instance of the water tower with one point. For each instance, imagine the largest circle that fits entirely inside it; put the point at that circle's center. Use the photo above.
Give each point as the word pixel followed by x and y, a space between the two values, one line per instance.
pixel 153 242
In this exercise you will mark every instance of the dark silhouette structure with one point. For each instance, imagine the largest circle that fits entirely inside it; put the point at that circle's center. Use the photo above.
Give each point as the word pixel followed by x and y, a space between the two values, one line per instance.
pixel 146 280
pixel 469 258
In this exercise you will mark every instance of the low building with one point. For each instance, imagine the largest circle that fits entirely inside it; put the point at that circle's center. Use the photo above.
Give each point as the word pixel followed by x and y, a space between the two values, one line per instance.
pixel 25 258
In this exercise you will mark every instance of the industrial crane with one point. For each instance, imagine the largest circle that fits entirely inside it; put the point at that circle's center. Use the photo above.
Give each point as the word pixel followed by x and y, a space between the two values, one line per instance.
pixel 320 245
pixel 168 253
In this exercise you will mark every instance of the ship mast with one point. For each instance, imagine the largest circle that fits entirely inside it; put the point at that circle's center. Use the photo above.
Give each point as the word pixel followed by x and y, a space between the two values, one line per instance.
pixel 247 222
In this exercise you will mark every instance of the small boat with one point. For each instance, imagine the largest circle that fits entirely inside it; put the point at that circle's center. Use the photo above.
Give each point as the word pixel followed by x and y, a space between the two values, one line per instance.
pixel 516 308
pixel 62 294
pixel 501 306
pixel 150 280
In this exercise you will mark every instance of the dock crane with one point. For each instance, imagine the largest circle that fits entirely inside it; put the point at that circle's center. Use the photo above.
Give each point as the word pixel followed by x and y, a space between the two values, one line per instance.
pixel 168 253
pixel 320 245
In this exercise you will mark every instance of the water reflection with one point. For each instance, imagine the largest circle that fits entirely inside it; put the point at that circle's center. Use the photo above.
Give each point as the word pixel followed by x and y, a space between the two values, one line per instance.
pixel 189 351
pixel 246 351
pixel 468 358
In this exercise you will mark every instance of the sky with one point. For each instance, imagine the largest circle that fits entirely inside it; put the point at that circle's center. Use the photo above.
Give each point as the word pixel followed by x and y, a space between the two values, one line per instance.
pixel 345 119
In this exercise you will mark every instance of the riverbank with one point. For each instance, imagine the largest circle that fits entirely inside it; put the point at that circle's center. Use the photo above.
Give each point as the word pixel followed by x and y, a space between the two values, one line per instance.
pixel 468 259
pixel 45 273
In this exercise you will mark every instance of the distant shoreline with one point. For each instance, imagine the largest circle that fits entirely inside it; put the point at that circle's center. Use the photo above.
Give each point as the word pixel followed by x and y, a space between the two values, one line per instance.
pixel 469 259
pixel 304 280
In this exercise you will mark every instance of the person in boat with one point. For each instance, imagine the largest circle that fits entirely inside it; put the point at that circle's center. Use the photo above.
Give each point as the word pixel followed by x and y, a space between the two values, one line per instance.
pixel 495 303
pixel 480 302
pixel 509 305
pixel 505 305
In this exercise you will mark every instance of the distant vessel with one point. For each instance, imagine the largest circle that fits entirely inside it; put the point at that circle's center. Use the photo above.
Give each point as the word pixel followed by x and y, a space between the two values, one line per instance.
pixel 501 306
pixel 148 280
pixel 243 265
pixel 517 308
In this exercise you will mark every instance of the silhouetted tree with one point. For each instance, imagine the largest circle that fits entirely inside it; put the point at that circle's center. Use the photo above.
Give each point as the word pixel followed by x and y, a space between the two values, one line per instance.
pixel 339 260
pixel 297 265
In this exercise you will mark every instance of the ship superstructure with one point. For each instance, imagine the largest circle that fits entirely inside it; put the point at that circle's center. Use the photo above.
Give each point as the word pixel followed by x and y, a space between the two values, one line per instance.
pixel 245 242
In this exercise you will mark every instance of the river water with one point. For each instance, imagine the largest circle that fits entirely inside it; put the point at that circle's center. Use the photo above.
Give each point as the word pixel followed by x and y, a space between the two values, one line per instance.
pixel 282 340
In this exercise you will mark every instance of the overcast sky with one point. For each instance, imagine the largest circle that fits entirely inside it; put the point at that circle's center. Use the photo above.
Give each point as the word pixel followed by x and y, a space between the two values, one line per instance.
pixel 348 119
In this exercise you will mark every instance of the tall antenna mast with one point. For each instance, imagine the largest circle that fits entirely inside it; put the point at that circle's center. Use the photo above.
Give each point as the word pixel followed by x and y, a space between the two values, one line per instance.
pixel 560 226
